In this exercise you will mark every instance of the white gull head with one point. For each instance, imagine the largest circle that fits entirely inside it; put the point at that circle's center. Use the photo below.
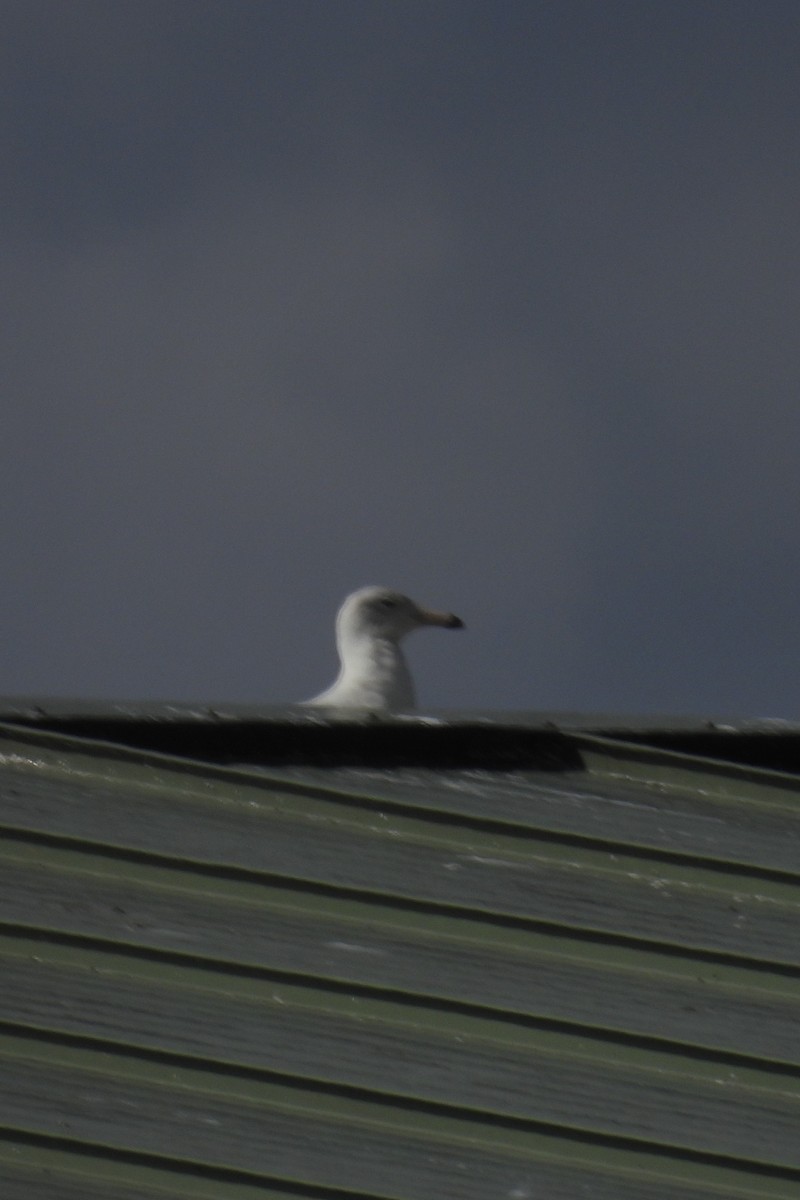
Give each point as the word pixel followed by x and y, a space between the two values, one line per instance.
pixel 373 672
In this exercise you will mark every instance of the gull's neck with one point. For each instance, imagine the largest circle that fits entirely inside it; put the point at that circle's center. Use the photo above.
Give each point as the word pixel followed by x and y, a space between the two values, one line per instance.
pixel 374 668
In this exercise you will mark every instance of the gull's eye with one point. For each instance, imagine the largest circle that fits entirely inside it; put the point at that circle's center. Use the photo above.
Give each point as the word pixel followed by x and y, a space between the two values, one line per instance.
pixel 387 603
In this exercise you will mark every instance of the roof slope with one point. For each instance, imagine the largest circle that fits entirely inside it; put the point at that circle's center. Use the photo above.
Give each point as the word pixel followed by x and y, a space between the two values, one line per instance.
pixel 395 962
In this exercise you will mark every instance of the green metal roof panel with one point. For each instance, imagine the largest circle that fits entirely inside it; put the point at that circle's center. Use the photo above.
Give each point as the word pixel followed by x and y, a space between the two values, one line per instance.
pixel 594 808
pixel 401 982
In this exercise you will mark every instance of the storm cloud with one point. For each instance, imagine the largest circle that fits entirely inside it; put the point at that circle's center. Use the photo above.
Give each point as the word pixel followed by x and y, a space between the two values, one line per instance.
pixel 495 304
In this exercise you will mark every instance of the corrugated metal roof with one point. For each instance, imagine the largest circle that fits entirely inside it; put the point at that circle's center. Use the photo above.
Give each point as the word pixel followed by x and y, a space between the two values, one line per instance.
pixel 406 960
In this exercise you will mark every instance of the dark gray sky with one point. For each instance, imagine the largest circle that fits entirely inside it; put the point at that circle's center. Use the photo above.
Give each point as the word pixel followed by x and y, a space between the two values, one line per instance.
pixel 494 302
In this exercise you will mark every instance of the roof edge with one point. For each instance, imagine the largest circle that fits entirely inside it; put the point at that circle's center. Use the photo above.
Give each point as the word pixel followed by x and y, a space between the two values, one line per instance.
pixel 44 710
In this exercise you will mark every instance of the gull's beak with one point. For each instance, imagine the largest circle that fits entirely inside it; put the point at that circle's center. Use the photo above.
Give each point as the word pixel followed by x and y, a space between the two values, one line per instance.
pixel 429 616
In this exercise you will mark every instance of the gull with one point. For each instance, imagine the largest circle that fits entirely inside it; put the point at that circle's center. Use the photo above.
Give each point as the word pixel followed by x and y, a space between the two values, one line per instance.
pixel 374 673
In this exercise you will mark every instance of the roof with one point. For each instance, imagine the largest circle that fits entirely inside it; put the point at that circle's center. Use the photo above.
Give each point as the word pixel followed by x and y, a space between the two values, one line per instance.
pixel 266 953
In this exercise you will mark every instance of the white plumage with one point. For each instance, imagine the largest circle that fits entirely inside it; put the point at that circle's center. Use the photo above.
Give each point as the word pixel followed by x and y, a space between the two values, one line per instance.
pixel 374 673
